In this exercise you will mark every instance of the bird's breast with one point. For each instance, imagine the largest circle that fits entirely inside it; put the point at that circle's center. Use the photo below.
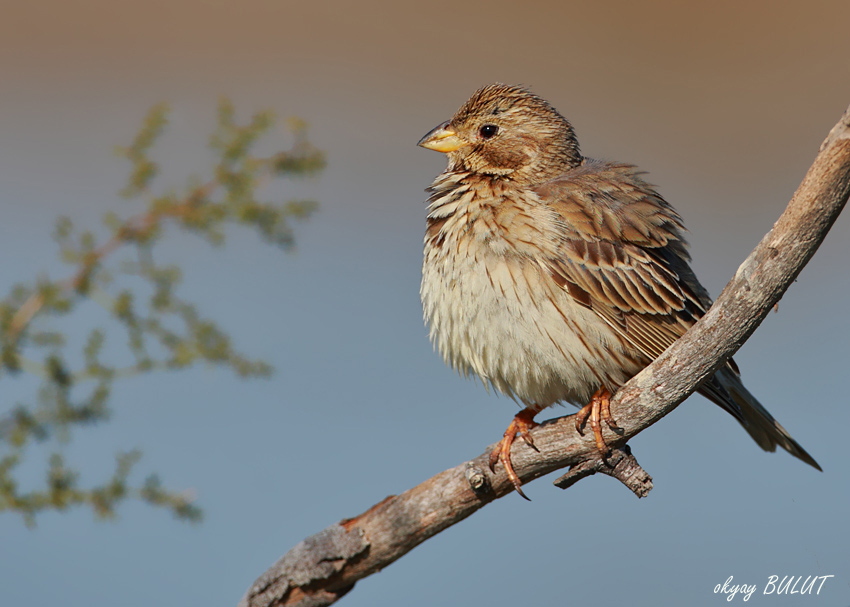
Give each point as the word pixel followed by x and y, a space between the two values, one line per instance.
pixel 495 313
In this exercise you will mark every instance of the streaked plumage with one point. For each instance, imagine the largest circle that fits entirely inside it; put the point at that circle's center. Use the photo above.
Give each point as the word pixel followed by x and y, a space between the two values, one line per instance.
pixel 549 275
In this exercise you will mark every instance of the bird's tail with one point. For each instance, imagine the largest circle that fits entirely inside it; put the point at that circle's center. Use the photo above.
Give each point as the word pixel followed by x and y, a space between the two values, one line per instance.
pixel 726 390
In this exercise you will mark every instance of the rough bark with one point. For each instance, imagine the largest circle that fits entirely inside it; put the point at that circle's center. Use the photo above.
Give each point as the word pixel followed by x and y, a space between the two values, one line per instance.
pixel 325 566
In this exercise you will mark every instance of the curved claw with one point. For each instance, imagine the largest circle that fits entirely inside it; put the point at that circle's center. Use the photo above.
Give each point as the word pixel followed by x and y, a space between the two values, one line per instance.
pixel 581 418
pixel 502 453
pixel 521 424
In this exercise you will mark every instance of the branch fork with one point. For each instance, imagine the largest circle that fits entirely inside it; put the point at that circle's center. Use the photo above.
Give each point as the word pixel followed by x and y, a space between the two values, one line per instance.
pixel 619 464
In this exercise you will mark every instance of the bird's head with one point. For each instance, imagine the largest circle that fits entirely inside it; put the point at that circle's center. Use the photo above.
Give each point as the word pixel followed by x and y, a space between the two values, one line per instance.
pixel 507 131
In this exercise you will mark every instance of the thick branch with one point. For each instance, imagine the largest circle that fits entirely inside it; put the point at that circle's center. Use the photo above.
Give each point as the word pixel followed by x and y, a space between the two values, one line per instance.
pixel 325 566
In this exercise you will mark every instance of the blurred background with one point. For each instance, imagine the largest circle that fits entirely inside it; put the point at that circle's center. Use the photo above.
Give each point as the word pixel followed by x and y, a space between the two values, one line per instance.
pixel 723 103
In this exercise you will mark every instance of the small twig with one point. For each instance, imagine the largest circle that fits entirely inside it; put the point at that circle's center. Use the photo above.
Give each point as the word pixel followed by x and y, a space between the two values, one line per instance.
pixel 135 227
pixel 619 464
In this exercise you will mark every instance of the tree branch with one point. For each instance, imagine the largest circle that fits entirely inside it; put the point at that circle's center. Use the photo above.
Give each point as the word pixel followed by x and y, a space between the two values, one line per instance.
pixel 322 568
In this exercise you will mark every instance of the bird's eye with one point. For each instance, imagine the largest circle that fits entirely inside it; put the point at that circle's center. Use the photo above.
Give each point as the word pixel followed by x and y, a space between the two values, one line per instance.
pixel 488 131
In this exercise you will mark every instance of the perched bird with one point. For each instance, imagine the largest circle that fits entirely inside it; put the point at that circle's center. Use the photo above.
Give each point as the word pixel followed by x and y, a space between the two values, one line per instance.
pixel 554 277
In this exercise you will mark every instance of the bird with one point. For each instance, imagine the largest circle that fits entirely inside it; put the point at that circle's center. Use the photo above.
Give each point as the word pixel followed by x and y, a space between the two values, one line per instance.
pixel 554 277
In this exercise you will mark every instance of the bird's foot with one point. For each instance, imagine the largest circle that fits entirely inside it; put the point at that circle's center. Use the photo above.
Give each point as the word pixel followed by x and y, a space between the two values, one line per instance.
pixel 522 423
pixel 598 409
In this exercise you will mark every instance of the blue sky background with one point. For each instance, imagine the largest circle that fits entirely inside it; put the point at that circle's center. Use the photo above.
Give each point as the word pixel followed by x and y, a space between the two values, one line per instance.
pixel 724 106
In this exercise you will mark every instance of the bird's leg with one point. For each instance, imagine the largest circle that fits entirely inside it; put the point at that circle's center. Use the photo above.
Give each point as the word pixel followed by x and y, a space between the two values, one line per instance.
pixel 606 414
pixel 598 409
pixel 521 424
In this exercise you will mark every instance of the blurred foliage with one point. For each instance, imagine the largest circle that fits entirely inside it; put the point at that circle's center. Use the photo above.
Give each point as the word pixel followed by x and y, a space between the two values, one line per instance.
pixel 158 329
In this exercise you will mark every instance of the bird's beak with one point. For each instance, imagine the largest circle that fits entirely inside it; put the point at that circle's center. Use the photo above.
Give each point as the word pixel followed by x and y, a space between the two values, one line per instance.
pixel 442 139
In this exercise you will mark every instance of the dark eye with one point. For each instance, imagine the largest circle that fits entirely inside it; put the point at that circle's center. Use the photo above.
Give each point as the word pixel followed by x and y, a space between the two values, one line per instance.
pixel 488 131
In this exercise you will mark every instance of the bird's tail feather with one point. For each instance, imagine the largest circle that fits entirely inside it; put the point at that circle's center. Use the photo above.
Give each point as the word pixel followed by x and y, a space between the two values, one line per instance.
pixel 726 390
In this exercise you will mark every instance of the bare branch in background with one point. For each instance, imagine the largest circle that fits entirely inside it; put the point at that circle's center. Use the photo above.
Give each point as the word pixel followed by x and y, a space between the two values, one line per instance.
pixel 117 268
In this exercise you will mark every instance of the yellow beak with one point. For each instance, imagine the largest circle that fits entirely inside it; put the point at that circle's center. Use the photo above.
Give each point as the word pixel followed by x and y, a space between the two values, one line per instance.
pixel 442 139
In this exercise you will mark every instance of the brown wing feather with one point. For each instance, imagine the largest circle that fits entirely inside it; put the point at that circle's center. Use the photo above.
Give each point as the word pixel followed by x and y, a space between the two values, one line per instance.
pixel 621 253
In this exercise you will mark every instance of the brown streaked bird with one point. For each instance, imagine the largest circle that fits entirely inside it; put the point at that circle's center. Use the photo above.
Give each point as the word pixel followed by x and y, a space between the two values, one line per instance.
pixel 554 277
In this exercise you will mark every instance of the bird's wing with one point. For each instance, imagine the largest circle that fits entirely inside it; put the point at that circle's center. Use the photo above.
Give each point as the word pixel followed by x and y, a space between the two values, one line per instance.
pixel 620 252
